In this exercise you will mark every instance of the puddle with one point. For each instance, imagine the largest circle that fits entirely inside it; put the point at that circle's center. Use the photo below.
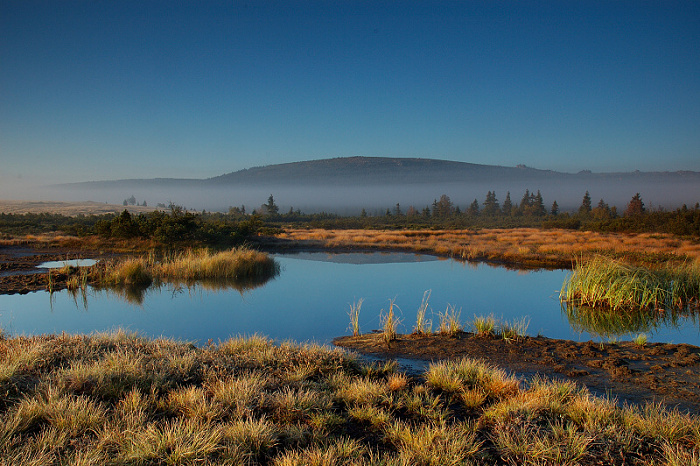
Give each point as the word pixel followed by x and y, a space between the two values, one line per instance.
pixel 72 263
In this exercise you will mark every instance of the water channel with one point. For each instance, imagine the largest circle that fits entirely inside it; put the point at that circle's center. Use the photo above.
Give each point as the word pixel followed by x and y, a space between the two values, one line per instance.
pixel 310 300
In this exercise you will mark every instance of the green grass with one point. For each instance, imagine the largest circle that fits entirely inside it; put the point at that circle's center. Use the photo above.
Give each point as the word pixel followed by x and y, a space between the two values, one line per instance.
pixel 613 324
pixel 606 283
pixel 449 321
pixel 484 326
pixel 640 340
pixel 118 398
pixel 489 326
pixel 514 330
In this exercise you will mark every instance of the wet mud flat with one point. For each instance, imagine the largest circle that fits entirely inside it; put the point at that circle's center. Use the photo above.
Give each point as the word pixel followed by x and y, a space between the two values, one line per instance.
pixel 633 374
pixel 19 272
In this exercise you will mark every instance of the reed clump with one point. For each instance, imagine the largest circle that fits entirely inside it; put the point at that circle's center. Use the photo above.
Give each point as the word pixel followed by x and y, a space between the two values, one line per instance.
pixel 120 398
pixel 389 322
pixel 607 283
pixel 450 321
pixel 484 325
pixel 236 263
pixel 423 324
pixel 489 326
pixel 232 266
pixel 354 314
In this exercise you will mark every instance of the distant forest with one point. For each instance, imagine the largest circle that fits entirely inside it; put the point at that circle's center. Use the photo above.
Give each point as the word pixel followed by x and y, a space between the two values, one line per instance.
pixel 175 224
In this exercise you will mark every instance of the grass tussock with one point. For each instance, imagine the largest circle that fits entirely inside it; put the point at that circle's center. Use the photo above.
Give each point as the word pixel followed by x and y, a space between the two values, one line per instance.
pixel 354 314
pixel 423 324
pixel 489 326
pixel 450 321
pixel 389 322
pixel 118 398
pixel 237 265
pixel 606 283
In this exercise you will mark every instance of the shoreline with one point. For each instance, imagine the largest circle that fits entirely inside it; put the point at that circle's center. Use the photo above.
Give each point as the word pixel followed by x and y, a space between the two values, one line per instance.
pixel 661 372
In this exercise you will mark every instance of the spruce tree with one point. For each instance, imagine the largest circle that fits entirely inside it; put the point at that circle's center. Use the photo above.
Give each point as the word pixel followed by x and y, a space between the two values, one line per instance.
pixel 507 205
pixel 585 208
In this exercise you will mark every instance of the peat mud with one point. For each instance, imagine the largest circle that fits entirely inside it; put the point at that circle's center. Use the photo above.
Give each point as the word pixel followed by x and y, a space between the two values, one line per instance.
pixel 633 374
pixel 19 272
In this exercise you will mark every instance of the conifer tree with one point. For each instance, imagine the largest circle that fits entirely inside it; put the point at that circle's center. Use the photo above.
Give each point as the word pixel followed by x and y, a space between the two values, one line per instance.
pixel 473 208
pixel 635 206
pixel 507 205
pixel 585 208
pixel 491 206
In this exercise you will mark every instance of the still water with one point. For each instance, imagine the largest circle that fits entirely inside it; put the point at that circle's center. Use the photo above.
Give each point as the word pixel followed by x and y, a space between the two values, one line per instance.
pixel 310 300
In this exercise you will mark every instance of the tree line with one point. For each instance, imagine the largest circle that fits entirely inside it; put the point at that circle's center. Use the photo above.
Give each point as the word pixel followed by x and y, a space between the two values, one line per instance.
pixel 177 224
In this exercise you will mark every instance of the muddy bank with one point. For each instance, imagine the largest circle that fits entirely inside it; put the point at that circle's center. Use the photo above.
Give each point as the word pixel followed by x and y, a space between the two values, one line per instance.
pixel 657 372
pixel 19 272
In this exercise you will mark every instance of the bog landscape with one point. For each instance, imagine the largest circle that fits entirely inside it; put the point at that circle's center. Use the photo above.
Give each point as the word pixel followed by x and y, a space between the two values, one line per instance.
pixel 350 232
pixel 520 327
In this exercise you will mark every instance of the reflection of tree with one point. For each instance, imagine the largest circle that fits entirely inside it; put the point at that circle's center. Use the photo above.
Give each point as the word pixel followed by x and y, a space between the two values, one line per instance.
pixel 608 323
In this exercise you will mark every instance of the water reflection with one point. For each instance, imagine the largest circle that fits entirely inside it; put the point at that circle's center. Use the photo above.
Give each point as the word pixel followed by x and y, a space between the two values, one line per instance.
pixel 613 324
pixel 67 263
pixel 364 258
pixel 136 293
pixel 309 301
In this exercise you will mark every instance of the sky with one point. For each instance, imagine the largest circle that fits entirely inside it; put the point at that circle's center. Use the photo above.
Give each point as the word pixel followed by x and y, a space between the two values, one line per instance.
pixel 100 90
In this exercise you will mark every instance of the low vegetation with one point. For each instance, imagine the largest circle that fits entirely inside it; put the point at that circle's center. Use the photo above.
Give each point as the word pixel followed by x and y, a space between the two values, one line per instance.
pixel 522 247
pixel 607 283
pixel 123 399
pixel 450 324
pixel 237 267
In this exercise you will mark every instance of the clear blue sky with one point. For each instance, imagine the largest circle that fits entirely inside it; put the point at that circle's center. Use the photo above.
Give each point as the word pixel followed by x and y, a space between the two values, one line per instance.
pixel 94 90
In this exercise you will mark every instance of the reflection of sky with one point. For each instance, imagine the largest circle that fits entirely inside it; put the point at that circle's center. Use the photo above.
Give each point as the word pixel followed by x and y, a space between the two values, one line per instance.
pixel 71 262
pixel 310 300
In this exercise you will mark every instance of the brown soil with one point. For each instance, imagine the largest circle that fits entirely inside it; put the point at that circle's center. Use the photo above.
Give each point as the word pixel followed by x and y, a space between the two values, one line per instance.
pixel 655 372
pixel 19 272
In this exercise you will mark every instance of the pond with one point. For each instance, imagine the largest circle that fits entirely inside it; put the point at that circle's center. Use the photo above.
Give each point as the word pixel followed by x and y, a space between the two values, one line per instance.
pixel 68 262
pixel 310 300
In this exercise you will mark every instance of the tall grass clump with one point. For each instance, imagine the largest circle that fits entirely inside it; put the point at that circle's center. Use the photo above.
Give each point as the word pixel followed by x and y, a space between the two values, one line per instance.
pixel 484 326
pixel 237 263
pixel 242 266
pixel 514 330
pixel 389 323
pixel 354 314
pixel 130 272
pixel 449 321
pixel 607 283
pixel 423 325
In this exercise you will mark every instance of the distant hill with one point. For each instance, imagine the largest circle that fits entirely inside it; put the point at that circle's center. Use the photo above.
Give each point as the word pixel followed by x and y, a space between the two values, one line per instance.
pixel 353 171
pixel 376 170
pixel 351 182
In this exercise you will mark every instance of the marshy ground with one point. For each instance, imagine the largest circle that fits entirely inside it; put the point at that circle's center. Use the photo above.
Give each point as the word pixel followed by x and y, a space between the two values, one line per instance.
pixel 516 247
pixel 122 399
pixel 653 372
pixel 666 373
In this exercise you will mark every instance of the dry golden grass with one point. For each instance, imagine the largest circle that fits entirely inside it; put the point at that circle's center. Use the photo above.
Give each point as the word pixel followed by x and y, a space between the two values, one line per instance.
pixel 528 246
pixel 69 209
pixel 119 398
pixel 94 244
